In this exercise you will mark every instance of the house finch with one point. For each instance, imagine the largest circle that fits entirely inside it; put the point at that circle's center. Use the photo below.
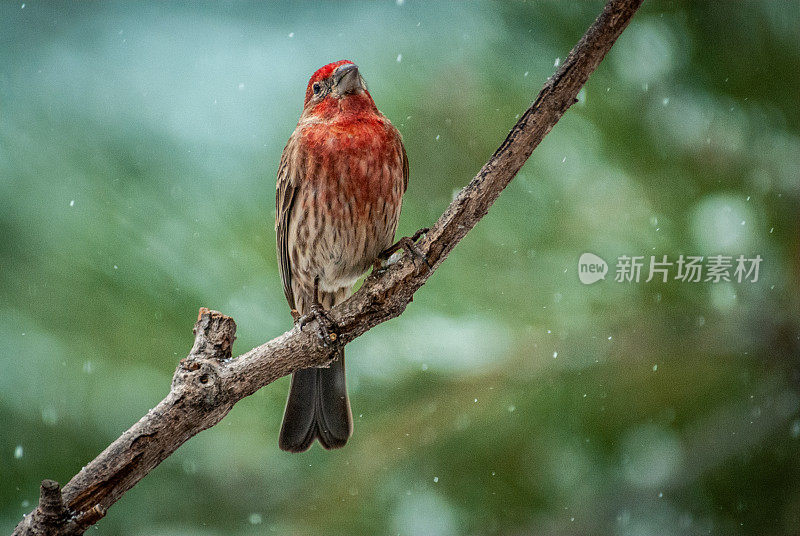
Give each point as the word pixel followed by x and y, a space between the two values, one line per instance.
pixel 340 186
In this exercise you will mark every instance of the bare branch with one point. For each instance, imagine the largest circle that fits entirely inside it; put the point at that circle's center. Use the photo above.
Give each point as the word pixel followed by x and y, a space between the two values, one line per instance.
pixel 208 382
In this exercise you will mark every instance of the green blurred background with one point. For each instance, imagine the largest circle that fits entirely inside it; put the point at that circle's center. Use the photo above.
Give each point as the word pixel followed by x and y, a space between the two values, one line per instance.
pixel 138 149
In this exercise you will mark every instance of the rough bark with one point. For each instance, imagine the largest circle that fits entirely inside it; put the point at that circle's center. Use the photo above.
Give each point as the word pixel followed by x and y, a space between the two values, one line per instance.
pixel 207 383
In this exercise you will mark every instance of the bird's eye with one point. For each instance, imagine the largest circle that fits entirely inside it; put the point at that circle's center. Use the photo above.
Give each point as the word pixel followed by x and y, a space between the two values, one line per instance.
pixel 317 87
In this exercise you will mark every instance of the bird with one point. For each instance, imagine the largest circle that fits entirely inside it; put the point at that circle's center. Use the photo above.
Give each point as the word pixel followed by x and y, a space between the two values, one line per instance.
pixel 339 192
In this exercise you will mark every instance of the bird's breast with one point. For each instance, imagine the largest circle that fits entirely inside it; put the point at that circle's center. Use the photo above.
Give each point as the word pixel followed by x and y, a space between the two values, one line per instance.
pixel 350 197
pixel 353 166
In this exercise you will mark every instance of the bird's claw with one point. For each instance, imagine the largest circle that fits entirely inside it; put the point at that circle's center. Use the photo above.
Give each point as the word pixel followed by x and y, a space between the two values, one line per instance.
pixel 409 244
pixel 326 327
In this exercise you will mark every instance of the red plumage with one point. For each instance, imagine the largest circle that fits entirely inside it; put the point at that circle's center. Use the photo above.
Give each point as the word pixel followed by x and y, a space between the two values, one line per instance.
pixel 340 187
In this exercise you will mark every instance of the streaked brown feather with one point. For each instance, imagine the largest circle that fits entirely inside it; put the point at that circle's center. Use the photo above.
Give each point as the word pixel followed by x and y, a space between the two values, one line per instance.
pixel 289 176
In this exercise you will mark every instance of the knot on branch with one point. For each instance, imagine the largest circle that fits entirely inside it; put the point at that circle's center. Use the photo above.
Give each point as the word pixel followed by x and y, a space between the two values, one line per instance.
pixel 52 512
pixel 199 380
pixel 198 376
pixel 51 505
pixel 50 516
pixel 214 334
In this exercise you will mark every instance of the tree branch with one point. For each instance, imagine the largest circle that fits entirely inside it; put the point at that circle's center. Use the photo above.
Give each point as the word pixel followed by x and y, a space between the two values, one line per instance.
pixel 207 383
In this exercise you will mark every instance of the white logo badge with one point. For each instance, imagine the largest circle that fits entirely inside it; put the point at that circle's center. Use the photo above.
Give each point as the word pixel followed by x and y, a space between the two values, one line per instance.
pixel 591 268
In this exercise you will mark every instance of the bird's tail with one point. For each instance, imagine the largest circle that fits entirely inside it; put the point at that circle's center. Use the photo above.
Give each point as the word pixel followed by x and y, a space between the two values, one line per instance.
pixel 318 406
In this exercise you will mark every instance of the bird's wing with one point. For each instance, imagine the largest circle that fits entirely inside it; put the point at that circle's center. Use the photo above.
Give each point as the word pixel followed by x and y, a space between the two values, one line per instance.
pixel 405 166
pixel 288 181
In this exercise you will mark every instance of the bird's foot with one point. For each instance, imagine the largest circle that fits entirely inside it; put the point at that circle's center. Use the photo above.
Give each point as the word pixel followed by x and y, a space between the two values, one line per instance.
pixel 407 243
pixel 326 327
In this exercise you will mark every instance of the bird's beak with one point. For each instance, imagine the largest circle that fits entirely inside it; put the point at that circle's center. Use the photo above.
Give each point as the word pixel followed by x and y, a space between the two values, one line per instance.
pixel 347 80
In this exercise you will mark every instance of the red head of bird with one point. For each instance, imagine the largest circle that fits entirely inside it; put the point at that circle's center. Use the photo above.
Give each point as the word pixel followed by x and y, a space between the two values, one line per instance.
pixel 335 89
